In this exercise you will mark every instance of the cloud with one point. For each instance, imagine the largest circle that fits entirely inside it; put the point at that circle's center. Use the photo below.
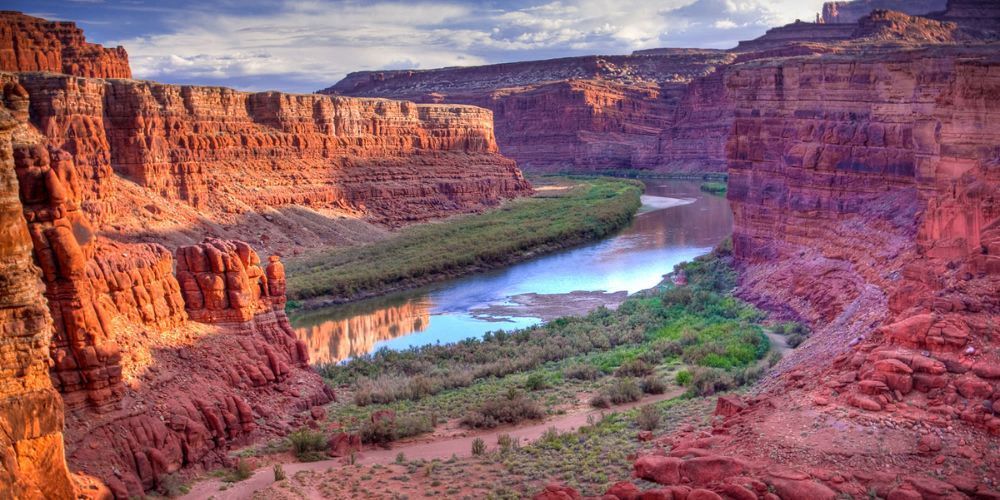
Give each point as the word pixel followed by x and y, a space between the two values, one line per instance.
pixel 303 45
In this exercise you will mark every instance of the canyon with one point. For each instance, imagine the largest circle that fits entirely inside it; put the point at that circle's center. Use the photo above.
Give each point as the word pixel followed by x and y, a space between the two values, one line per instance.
pixel 656 111
pixel 165 342
pixel 143 290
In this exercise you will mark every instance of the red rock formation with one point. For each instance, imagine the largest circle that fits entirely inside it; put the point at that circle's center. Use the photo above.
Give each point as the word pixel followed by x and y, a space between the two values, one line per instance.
pixel 32 461
pixel 330 340
pixel 866 195
pixel 33 44
pixel 393 162
pixel 145 387
pixel 850 12
pixel 586 113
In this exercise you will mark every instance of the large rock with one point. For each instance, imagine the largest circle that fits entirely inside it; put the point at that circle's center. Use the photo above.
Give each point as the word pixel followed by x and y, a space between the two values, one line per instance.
pixel 31 413
pixel 32 44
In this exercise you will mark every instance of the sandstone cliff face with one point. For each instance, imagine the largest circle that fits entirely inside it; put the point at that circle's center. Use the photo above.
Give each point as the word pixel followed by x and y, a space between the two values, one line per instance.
pixel 238 157
pixel 851 11
pixel 32 44
pixel 32 460
pixel 576 114
pixel 134 354
pixel 865 197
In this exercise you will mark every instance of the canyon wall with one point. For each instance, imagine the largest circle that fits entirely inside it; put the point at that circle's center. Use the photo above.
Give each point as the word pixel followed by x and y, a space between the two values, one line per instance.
pixel 593 113
pixel 32 44
pixel 168 156
pixel 32 460
pixel 135 349
pixel 849 12
pixel 866 199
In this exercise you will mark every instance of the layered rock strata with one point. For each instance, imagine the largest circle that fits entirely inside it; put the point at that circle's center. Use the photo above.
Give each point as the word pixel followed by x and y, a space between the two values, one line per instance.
pixel 578 114
pixel 851 12
pixel 32 44
pixel 239 157
pixel 32 459
pixel 134 354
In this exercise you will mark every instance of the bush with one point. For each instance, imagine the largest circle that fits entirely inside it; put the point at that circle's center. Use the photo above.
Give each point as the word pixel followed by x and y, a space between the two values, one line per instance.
pixel 171 486
pixel 794 340
pixel 623 390
pixel 652 385
pixel 308 445
pixel 773 358
pixel 600 400
pixel 505 443
pixel 381 432
pixel 708 381
pixel 384 431
pixel 239 473
pixel 634 368
pixel 478 446
pixel 582 372
pixel 536 382
pixel 648 418
pixel 513 408
pixel 683 378
pixel 279 473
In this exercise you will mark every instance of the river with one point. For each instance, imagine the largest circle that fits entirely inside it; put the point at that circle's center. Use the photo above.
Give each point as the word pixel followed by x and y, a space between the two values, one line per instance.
pixel 634 259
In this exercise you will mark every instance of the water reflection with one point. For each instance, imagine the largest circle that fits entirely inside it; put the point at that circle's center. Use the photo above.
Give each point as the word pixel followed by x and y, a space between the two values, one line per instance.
pixel 632 260
pixel 340 333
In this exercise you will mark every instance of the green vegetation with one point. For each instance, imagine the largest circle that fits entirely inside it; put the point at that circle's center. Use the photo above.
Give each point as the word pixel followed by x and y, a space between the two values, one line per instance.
pixel 513 408
pixel 795 333
pixel 717 188
pixel 308 445
pixel 698 336
pixel 581 210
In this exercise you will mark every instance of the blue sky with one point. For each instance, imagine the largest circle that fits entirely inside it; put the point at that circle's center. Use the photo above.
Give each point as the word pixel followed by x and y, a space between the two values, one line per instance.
pixel 306 45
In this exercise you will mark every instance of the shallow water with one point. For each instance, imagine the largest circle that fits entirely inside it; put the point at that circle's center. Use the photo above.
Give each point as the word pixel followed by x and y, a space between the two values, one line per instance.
pixel 633 260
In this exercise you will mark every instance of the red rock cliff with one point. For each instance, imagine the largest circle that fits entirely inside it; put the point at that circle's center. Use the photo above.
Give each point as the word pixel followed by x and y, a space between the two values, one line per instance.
pixel 32 460
pixel 33 44
pixel 579 114
pixel 850 12
pixel 134 354
pixel 241 158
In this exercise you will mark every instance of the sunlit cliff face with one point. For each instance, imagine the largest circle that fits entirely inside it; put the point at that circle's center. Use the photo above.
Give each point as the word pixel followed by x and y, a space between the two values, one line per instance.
pixel 333 339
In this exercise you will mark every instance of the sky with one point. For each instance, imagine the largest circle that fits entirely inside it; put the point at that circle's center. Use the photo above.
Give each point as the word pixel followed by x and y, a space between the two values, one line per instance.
pixel 307 45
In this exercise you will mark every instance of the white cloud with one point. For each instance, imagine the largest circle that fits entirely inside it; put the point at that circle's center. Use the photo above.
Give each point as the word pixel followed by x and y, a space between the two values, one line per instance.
pixel 307 44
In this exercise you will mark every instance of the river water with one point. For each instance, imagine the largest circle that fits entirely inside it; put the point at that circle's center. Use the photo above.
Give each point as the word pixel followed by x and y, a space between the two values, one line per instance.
pixel 632 260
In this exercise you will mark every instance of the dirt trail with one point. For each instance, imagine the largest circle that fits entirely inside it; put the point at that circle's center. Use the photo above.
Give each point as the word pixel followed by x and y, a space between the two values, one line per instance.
pixel 440 449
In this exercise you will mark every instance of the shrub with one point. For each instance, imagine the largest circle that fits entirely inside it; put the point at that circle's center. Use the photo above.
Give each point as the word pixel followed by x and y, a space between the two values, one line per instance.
pixel 172 486
pixel 634 368
pixel 478 446
pixel 582 372
pixel 400 458
pixel 683 378
pixel 648 418
pixel 652 357
pixel 506 443
pixel 385 431
pixel 513 408
pixel 279 473
pixel 652 385
pixel 600 400
pixel 708 381
pixel 623 390
pixel 773 358
pixel 412 425
pixel 308 445
pixel 239 473
pixel 536 382
pixel 381 432
pixel 794 340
